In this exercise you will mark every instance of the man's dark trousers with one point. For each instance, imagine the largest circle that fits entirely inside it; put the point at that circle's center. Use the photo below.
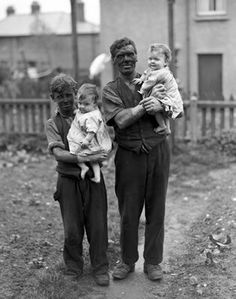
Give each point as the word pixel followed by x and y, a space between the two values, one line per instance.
pixel 142 178
pixel 83 206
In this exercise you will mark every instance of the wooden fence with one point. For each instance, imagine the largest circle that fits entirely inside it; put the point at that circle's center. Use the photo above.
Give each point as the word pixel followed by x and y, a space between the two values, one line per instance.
pixel 23 115
pixel 201 119
pixel 205 119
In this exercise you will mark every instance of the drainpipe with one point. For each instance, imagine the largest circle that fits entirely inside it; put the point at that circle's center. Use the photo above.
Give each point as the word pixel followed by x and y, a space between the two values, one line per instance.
pixel 171 39
pixel 171 34
pixel 74 40
pixel 188 67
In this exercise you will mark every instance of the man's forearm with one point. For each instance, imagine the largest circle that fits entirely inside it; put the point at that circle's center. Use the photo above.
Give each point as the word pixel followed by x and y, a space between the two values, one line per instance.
pixel 129 116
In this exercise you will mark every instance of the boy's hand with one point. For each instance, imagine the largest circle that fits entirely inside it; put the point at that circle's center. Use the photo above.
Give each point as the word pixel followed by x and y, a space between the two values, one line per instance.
pixel 92 158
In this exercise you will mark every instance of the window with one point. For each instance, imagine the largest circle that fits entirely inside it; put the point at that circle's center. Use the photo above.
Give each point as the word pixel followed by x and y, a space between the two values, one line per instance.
pixel 211 7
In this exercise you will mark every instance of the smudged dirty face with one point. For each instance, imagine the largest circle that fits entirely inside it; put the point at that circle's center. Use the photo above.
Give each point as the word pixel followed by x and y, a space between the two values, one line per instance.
pixel 126 59
pixel 65 100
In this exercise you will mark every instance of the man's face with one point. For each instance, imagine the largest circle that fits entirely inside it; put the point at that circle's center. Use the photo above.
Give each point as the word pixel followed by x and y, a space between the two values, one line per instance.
pixel 125 59
pixel 65 100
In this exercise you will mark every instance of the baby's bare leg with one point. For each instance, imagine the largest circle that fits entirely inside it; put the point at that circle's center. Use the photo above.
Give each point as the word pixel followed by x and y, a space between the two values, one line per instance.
pixel 168 131
pixel 96 172
pixel 164 124
pixel 84 170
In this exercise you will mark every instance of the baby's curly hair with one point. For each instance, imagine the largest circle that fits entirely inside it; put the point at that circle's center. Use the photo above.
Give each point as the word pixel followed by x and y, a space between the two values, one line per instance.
pixel 62 81
pixel 120 43
pixel 163 48
pixel 88 89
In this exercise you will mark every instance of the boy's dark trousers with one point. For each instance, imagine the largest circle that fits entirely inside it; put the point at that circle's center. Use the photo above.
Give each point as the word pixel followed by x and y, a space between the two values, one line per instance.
pixel 83 206
pixel 142 179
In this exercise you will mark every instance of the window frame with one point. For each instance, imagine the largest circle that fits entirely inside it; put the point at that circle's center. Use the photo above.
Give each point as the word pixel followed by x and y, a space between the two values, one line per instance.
pixel 211 13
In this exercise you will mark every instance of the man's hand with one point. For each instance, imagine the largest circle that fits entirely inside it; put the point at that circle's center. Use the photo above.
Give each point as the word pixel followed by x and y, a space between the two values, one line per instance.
pixel 159 91
pixel 137 81
pixel 151 105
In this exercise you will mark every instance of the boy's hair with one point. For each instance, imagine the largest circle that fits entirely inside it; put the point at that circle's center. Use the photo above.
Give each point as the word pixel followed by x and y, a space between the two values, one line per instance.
pixel 88 89
pixel 163 48
pixel 120 43
pixel 62 81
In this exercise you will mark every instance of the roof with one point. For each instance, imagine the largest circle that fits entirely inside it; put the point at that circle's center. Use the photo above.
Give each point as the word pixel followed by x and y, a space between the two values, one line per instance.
pixel 43 23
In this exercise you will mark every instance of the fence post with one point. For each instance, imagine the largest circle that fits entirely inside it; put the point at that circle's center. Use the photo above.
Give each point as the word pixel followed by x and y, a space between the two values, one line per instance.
pixel 193 118
pixel 53 107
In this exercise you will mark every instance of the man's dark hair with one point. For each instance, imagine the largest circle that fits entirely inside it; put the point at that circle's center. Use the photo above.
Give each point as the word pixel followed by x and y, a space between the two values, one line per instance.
pixel 62 81
pixel 120 43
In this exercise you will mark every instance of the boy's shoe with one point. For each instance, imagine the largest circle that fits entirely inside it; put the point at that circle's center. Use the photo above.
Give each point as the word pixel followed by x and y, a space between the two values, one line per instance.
pixel 154 272
pixel 122 270
pixel 101 279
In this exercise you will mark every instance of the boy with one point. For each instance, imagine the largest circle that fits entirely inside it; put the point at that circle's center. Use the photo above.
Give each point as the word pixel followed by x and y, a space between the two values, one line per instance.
pixel 83 203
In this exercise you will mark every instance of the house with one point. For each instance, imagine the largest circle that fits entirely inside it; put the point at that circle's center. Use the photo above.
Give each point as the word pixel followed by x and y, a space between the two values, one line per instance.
pixel 42 41
pixel 204 40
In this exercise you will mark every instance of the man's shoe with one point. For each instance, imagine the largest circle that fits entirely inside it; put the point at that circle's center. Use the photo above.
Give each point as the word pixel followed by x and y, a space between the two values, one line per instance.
pixel 101 279
pixel 72 274
pixel 122 270
pixel 154 272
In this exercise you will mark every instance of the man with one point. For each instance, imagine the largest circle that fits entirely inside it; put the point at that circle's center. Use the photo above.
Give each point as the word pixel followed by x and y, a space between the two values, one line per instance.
pixel 83 203
pixel 142 162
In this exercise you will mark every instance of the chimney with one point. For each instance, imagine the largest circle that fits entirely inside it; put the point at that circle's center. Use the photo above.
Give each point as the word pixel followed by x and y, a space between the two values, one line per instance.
pixel 35 8
pixel 80 11
pixel 10 11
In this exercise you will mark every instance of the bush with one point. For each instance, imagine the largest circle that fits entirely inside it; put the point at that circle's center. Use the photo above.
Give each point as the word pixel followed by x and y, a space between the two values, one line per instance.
pixel 29 142
pixel 225 142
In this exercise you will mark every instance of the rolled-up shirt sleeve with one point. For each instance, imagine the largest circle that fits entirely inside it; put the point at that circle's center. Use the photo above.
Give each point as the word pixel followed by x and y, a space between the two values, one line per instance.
pixel 53 137
pixel 112 104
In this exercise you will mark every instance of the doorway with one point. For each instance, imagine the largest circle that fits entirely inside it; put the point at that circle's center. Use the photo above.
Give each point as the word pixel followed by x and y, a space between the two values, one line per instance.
pixel 210 77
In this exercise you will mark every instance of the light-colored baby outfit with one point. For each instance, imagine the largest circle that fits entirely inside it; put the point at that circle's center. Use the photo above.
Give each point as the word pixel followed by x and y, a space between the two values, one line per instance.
pixel 84 123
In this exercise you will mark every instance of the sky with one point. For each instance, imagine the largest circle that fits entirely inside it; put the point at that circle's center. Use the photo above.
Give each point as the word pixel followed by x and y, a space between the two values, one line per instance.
pixel 92 12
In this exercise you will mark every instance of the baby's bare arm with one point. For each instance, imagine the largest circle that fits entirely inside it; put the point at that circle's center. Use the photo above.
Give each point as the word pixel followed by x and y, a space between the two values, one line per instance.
pixel 87 139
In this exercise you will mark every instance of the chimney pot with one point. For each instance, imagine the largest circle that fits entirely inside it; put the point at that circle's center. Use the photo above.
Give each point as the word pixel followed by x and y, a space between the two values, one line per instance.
pixel 10 11
pixel 35 8
pixel 80 11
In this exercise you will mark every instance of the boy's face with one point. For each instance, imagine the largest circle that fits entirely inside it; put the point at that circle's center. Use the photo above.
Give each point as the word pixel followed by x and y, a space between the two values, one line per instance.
pixel 65 100
pixel 156 60
pixel 87 104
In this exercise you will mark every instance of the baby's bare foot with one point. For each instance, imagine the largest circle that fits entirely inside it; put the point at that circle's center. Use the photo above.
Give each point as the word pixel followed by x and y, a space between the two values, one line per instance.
pixel 95 179
pixel 84 170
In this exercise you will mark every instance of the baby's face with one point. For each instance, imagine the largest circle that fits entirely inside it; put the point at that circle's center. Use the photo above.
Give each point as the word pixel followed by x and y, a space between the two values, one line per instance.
pixel 156 60
pixel 87 104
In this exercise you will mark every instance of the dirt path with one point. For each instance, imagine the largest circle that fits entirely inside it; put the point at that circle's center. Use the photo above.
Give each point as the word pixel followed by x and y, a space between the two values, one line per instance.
pixel 184 205
pixel 31 229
